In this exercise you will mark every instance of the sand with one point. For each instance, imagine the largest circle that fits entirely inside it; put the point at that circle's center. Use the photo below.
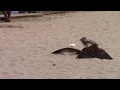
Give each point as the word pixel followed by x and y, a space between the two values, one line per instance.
pixel 26 45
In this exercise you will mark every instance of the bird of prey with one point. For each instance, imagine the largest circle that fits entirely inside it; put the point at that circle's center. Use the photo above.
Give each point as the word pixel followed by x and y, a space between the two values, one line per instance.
pixel 86 42
pixel 89 51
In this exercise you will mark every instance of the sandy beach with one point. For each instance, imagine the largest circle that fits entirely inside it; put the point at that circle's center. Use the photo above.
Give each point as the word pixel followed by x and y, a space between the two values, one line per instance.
pixel 26 45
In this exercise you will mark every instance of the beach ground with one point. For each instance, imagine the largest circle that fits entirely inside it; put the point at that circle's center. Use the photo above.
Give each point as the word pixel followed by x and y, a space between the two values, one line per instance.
pixel 26 45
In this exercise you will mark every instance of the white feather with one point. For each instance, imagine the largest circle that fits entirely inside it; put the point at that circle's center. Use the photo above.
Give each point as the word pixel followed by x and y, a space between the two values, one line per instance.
pixel 72 45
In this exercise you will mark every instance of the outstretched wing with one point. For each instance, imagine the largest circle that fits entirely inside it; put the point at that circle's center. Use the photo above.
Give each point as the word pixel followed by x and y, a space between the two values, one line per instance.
pixel 84 55
pixel 66 50
pixel 102 54
pixel 94 51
